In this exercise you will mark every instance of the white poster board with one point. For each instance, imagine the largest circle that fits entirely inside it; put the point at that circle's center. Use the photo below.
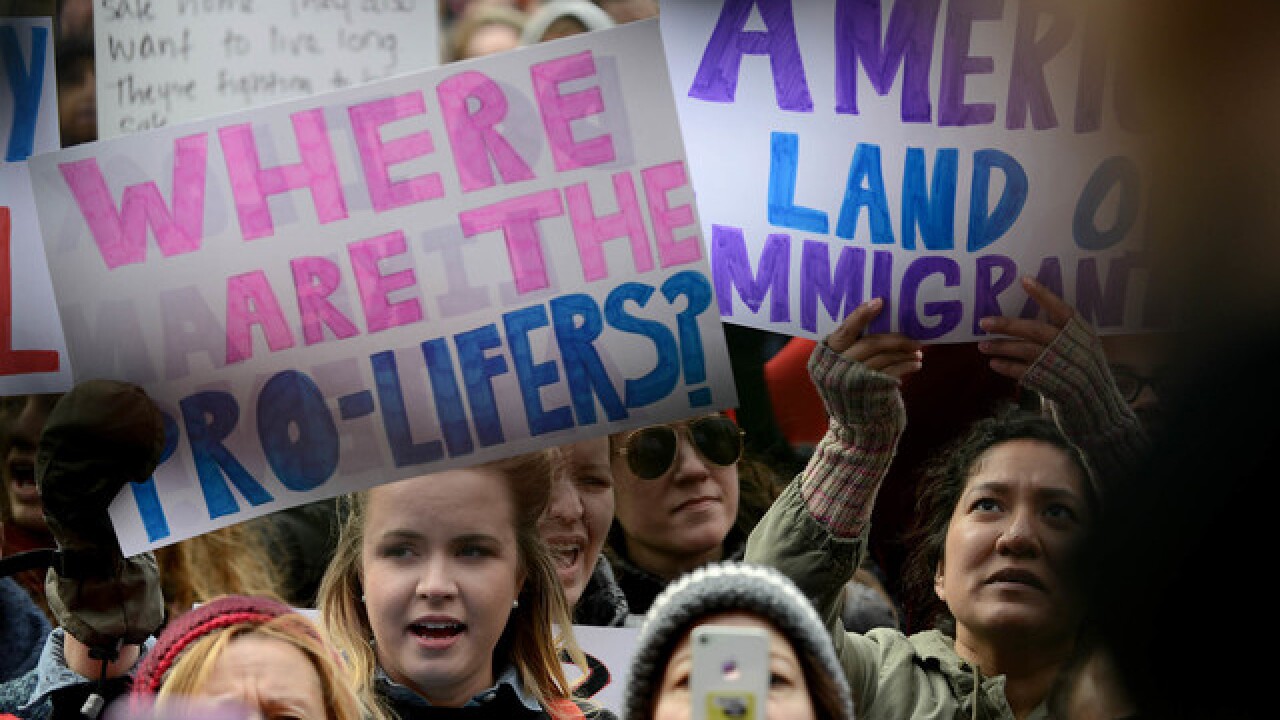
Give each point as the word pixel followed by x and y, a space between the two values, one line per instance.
pixel 928 152
pixel 422 273
pixel 163 63
pixel 32 349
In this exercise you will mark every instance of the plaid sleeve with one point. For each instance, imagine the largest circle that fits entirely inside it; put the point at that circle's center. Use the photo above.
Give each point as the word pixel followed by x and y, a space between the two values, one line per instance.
pixel 1073 376
pixel 866 418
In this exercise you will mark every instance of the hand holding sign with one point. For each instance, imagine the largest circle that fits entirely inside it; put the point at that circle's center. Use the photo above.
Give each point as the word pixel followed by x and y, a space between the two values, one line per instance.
pixel 893 354
pixel 1012 356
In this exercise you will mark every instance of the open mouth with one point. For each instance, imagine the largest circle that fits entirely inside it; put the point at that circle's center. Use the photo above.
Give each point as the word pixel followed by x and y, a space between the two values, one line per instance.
pixel 437 631
pixel 22 478
pixel 567 556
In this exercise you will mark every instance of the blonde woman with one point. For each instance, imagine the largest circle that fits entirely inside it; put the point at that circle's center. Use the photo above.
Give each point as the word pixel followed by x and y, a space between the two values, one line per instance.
pixel 254 654
pixel 442 594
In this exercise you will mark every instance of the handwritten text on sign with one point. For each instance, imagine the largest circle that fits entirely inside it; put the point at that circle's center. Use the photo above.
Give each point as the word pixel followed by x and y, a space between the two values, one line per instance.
pixel 28 98
pixel 32 349
pixel 161 63
pixel 425 272
pixel 924 151
pixel 31 343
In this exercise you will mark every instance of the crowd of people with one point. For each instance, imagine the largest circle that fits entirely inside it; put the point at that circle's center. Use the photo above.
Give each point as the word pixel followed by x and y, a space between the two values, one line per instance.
pixel 1024 551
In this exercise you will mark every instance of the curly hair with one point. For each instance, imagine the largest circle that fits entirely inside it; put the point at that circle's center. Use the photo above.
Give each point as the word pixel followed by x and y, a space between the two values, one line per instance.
pixel 946 477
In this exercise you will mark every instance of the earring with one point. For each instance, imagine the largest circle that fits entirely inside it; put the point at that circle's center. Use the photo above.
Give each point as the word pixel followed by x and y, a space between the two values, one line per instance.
pixel 515 604
pixel 362 599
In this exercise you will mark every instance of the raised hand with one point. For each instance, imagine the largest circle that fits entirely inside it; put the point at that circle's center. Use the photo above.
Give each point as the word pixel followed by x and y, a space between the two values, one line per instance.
pixel 893 354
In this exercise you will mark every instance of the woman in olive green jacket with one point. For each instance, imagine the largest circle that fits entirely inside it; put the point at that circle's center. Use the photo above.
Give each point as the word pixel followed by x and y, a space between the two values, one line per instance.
pixel 1005 517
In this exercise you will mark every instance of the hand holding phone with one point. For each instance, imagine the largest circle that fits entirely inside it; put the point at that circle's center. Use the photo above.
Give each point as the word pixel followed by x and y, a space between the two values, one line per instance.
pixel 730 677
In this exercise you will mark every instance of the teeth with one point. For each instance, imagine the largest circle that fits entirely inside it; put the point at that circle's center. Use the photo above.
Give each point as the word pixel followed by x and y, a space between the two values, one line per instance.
pixel 567 556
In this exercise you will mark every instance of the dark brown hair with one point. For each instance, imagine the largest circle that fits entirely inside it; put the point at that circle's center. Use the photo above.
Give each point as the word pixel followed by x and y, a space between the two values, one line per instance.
pixel 946 477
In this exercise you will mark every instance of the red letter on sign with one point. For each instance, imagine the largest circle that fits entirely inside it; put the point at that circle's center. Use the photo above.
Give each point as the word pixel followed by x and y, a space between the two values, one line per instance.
pixel 15 362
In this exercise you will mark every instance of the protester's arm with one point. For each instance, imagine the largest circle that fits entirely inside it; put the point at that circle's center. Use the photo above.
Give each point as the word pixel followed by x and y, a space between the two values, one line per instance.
pixel 98 437
pixel 858 378
pixel 1063 361
pixel 815 532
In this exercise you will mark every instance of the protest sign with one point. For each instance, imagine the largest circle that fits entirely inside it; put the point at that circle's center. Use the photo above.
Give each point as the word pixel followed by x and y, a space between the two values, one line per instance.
pixel 422 273
pixel 29 111
pixel 160 63
pixel 31 344
pixel 32 349
pixel 609 651
pixel 928 152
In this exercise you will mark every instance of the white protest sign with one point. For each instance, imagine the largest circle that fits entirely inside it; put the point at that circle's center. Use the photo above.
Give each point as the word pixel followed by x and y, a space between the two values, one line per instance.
pixel 609 651
pixel 32 349
pixel 28 91
pixel 161 63
pixel 422 273
pixel 928 152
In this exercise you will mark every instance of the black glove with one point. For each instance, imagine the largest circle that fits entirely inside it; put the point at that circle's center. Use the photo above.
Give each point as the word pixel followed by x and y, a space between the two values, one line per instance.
pixel 98 437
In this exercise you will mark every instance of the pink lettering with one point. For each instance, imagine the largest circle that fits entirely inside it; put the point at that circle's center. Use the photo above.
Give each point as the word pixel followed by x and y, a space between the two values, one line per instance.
pixel 559 111
pixel 252 184
pixel 377 156
pixel 251 301
pixel 315 280
pixel 121 235
pixel 658 181
pixel 374 287
pixel 592 232
pixel 473 135
pixel 518 219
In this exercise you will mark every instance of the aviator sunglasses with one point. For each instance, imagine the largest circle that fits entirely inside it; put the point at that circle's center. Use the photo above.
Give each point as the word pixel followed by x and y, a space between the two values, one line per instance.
pixel 651 451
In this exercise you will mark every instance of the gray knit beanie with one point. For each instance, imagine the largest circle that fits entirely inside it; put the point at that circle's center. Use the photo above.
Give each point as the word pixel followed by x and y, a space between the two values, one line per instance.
pixel 725 587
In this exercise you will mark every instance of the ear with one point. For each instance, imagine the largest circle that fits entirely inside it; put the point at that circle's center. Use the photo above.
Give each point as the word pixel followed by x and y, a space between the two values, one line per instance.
pixel 938 578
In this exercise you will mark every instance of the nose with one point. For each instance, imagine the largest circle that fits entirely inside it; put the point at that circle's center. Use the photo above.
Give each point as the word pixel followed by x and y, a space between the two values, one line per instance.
pixel 690 467
pixel 436 581
pixel 565 505
pixel 1019 538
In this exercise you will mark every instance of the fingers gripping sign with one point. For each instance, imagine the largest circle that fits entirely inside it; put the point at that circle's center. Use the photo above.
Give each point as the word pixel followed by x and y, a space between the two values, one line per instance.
pixel 1012 356
pixel 893 354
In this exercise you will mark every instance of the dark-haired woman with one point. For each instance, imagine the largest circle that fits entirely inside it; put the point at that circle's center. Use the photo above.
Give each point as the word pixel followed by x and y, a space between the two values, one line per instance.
pixel 1004 518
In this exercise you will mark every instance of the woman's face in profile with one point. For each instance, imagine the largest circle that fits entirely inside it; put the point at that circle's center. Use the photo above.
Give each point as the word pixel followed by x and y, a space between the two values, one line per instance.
pixel 788 692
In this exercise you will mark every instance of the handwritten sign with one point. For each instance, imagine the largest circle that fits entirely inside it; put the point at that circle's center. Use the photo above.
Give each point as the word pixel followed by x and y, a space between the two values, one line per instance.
pixel 31 344
pixel 28 111
pixel 928 152
pixel 422 273
pixel 160 63
pixel 609 651
pixel 32 349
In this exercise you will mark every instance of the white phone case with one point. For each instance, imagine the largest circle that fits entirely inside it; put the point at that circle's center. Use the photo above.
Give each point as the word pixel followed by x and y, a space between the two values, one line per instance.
pixel 730 677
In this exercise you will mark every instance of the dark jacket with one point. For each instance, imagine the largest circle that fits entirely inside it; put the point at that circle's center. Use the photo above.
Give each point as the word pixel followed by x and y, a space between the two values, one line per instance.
pixel 603 604
pixel 640 586
pixel 501 702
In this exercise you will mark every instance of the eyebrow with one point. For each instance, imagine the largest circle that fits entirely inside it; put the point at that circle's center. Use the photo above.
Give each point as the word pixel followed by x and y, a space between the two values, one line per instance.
pixel 998 486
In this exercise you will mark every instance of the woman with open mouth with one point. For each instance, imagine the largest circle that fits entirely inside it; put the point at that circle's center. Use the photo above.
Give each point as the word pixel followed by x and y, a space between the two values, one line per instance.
pixel 442 594
pixel 574 527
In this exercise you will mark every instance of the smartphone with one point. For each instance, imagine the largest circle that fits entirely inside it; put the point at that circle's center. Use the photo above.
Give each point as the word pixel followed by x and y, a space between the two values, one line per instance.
pixel 730 676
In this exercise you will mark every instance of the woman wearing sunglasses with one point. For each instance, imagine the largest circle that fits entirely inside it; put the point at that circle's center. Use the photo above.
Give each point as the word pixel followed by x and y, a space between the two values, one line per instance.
pixel 678 503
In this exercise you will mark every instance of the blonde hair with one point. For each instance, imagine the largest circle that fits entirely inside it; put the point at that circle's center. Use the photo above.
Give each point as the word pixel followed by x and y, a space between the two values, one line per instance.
pixel 197 571
pixel 191 671
pixel 538 629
